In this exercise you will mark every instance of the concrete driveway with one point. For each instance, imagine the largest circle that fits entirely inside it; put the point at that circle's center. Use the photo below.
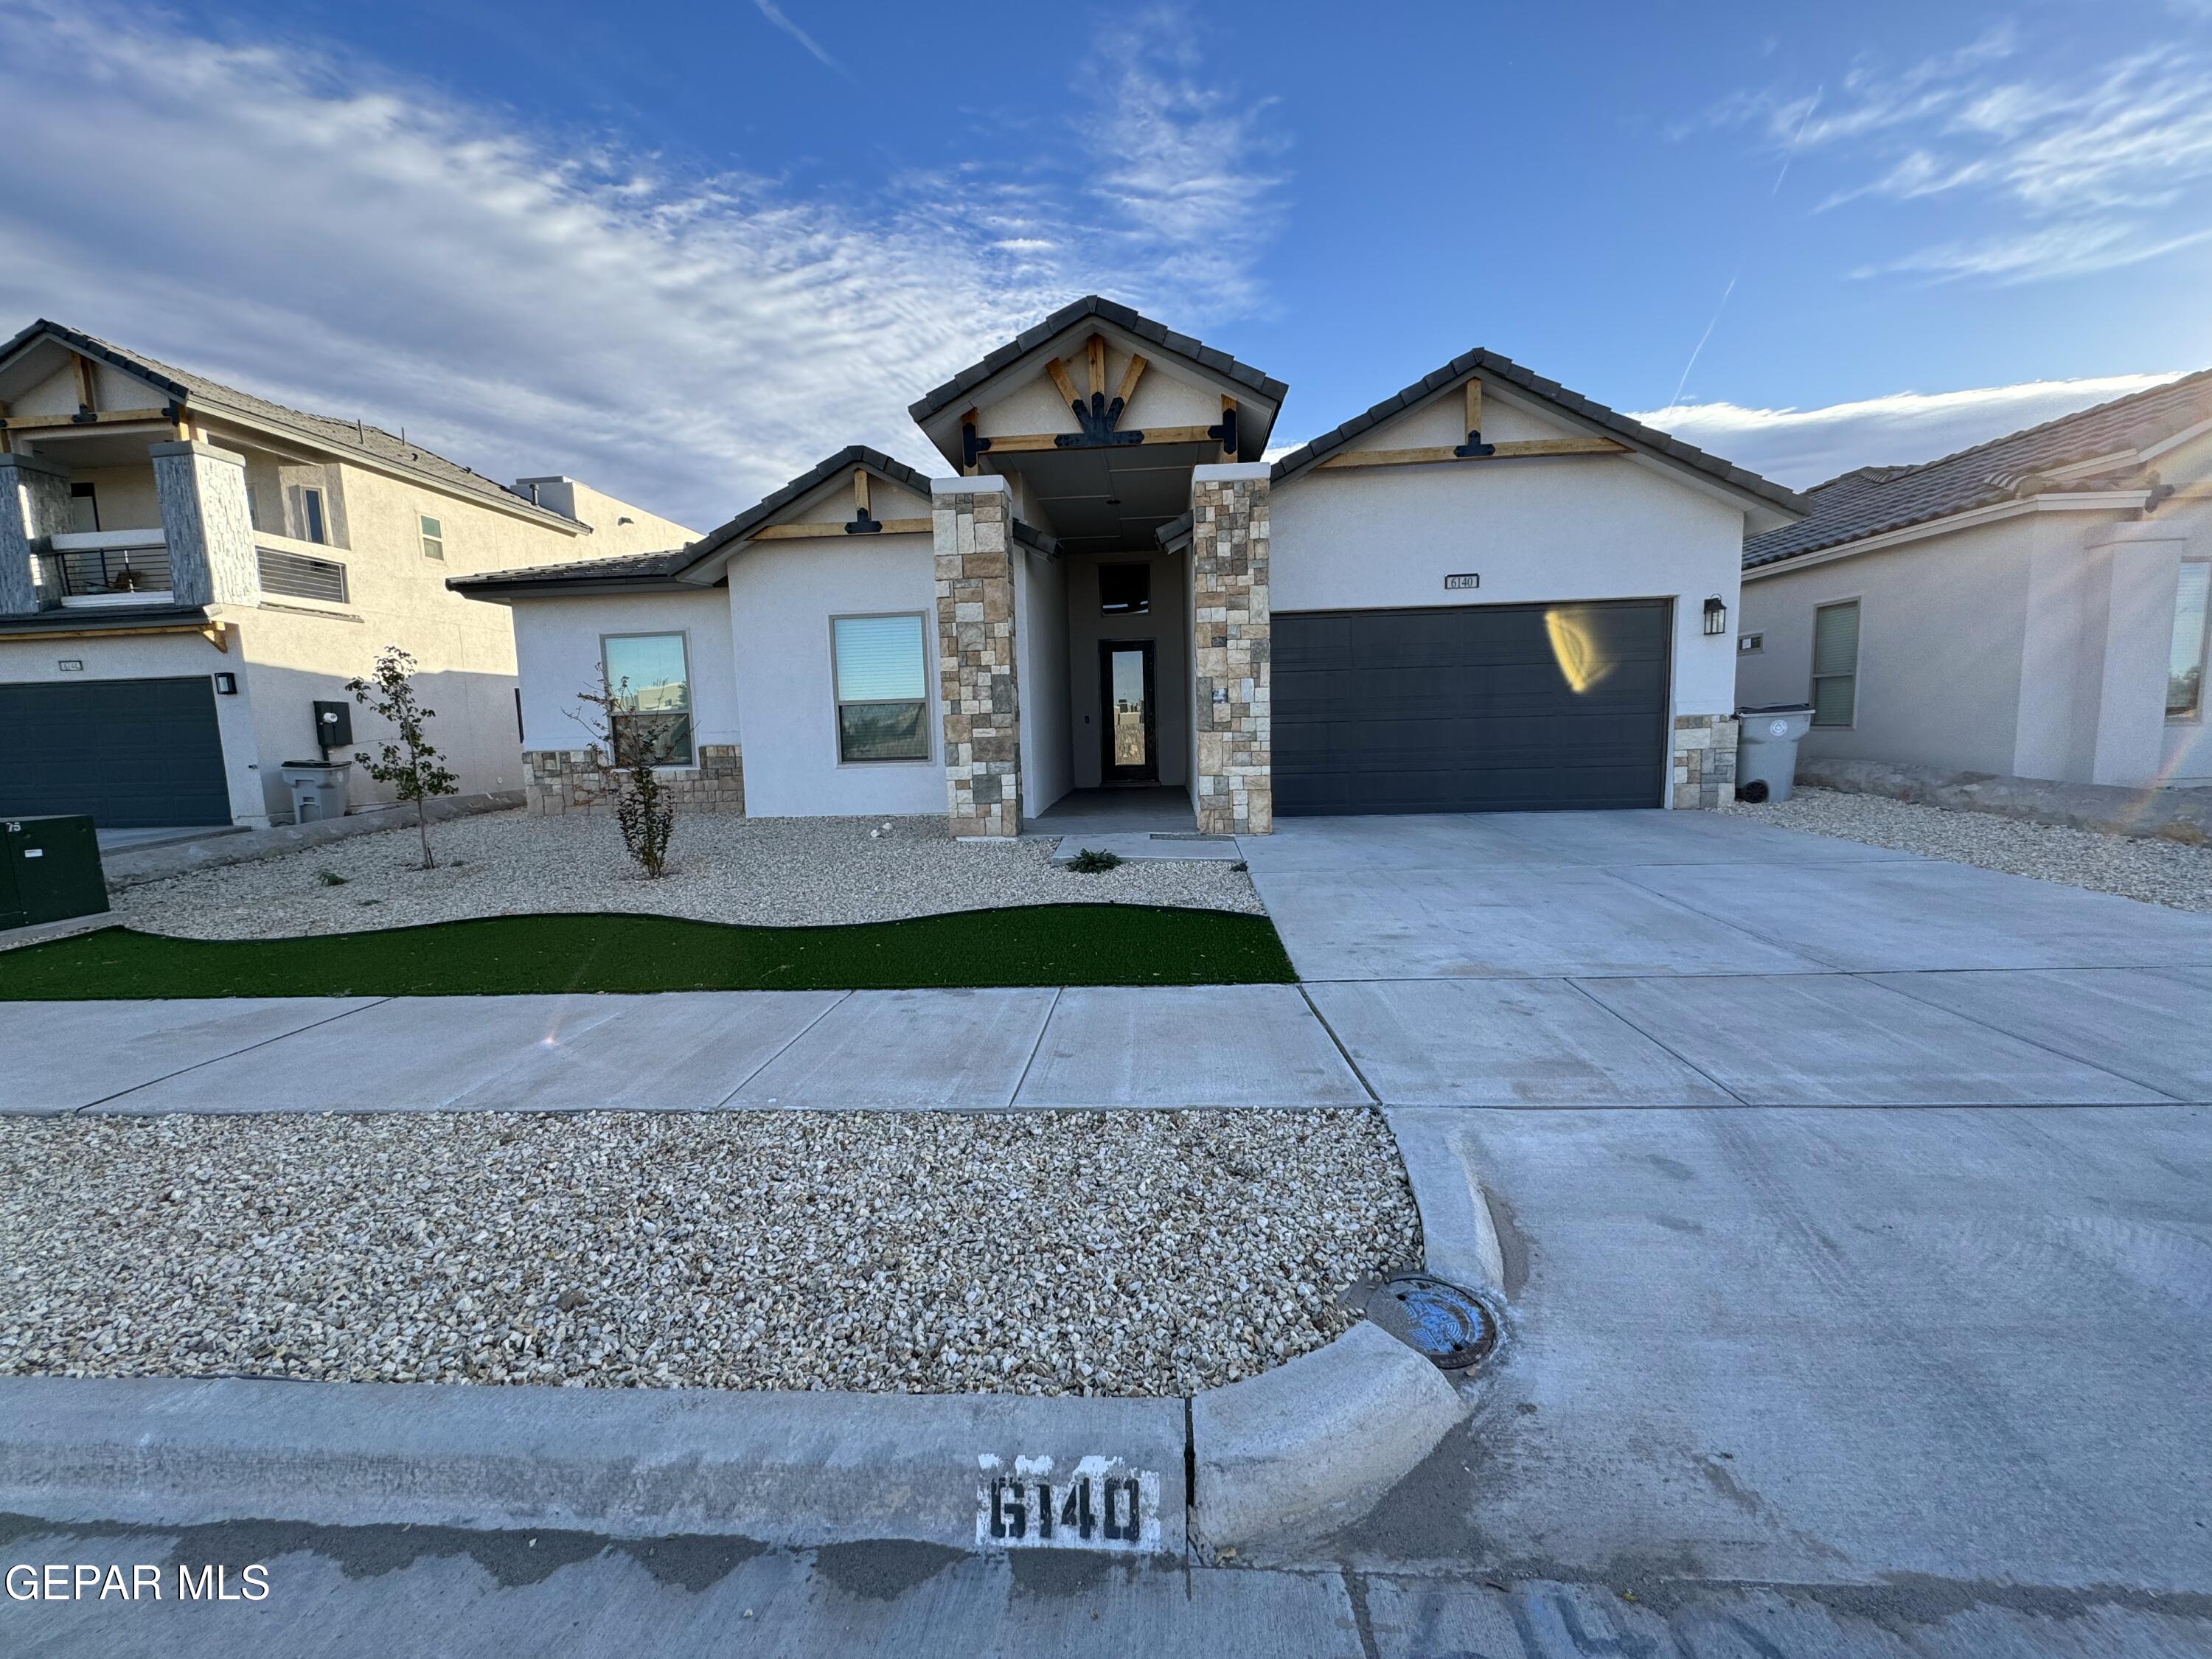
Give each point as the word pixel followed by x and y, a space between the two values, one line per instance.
pixel 1687 958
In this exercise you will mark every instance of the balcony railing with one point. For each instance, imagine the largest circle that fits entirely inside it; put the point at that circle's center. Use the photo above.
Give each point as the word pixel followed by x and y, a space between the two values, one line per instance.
pixel 299 576
pixel 108 566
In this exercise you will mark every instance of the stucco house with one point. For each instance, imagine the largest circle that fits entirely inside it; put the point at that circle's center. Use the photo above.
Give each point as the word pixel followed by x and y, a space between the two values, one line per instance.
pixel 2034 606
pixel 186 568
pixel 1485 593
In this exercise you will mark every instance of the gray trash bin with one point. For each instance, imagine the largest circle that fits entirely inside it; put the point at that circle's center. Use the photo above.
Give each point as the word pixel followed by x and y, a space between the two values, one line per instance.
pixel 1766 746
pixel 318 788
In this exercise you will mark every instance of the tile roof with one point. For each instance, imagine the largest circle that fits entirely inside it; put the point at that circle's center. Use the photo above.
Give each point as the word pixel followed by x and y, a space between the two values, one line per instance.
pixel 1490 367
pixel 1091 305
pixel 199 392
pixel 1872 501
pixel 624 567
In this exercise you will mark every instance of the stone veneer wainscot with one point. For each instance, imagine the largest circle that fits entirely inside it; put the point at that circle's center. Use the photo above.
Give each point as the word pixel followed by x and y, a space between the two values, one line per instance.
pixel 560 780
pixel 1704 760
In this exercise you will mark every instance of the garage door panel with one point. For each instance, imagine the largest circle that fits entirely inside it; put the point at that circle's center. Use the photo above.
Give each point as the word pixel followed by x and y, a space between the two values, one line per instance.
pixel 1500 707
pixel 129 754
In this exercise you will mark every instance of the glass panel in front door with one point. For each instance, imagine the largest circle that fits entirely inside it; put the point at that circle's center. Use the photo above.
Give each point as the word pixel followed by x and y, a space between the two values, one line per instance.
pixel 1128 704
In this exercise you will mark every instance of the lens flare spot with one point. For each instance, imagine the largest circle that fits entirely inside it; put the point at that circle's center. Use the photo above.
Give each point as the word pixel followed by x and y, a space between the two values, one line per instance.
pixel 1582 660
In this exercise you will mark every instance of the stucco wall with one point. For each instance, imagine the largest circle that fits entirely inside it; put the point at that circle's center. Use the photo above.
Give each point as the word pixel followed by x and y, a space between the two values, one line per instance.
pixel 1552 528
pixel 558 642
pixel 781 597
pixel 617 526
pixel 1165 625
pixel 2032 646
pixel 1040 631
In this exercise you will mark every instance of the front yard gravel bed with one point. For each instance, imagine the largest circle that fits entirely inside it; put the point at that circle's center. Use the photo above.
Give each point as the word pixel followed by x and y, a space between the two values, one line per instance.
pixel 1126 1253
pixel 769 872
pixel 2157 872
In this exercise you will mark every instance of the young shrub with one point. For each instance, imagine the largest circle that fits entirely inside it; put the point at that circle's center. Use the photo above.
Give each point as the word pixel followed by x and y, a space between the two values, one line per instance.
pixel 644 810
pixel 1089 861
pixel 330 879
pixel 411 765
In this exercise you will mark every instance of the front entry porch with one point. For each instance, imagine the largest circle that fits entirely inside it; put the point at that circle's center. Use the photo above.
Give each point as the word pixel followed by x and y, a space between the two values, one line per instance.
pixel 1155 810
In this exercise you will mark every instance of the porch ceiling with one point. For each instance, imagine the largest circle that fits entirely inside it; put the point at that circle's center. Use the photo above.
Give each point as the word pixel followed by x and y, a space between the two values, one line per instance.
pixel 1103 501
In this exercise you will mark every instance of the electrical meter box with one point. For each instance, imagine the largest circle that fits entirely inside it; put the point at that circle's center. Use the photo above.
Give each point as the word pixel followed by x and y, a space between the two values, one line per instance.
pixel 49 871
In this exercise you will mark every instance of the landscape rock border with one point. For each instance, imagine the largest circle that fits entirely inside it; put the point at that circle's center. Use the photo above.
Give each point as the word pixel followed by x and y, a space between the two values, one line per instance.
pixel 2183 815
pixel 1271 1462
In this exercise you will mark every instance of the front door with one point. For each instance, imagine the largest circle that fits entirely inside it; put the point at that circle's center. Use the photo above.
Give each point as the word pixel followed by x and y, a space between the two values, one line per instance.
pixel 1125 688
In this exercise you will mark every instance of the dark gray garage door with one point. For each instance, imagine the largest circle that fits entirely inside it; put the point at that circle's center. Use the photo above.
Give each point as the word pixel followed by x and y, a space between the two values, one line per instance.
pixel 133 754
pixel 1471 709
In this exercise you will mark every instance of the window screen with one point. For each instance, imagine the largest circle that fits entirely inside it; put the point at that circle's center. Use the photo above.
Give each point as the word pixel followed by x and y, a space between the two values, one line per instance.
pixel 1836 664
pixel 882 690
pixel 651 690
pixel 2184 677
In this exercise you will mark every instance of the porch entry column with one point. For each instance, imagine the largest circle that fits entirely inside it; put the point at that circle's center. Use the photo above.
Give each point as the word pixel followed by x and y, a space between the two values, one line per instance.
pixel 209 523
pixel 972 522
pixel 34 504
pixel 1233 770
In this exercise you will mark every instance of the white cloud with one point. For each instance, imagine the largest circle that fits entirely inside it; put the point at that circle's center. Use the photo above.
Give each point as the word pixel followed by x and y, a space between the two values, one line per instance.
pixel 349 243
pixel 773 13
pixel 1803 446
pixel 2103 166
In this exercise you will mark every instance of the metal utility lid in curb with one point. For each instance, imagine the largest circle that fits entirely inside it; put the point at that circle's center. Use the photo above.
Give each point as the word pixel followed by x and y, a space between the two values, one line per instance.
pixel 1447 1325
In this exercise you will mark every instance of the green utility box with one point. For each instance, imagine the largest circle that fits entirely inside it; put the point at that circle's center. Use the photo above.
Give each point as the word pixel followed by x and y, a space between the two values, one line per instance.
pixel 49 871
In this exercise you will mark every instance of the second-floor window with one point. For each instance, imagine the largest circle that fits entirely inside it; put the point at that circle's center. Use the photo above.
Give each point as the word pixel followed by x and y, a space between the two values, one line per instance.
pixel 311 521
pixel 434 536
pixel 84 507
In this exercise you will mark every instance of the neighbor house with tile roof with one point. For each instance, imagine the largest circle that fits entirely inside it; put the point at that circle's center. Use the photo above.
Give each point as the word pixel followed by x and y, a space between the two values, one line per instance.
pixel 2034 606
pixel 187 569
pixel 1485 593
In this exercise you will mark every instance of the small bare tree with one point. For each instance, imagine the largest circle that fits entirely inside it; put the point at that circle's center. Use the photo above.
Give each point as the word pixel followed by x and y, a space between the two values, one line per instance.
pixel 643 807
pixel 410 764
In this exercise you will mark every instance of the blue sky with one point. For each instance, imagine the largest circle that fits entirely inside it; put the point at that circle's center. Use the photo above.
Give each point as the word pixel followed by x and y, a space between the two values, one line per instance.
pixel 683 252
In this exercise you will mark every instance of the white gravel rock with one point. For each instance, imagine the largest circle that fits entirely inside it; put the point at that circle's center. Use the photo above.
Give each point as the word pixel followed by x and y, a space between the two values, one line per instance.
pixel 1126 1253
pixel 2157 872
pixel 789 872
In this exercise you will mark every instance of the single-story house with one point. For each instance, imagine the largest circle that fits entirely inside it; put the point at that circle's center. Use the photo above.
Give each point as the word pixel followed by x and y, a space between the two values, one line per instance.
pixel 1485 592
pixel 2035 606
pixel 187 569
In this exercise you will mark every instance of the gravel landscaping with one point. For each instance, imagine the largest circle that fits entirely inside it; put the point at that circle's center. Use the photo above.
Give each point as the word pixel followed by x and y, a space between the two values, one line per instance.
pixel 771 872
pixel 2158 872
pixel 1136 1253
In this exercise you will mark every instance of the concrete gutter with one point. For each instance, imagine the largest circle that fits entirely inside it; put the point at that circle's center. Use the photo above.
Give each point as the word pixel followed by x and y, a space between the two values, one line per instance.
pixel 130 866
pixel 1273 1461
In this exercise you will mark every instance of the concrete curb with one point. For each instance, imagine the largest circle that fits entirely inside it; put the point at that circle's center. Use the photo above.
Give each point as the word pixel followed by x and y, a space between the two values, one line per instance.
pixel 1273 1461
pixel 793 1469
pixel 1459 1239
pixel 132 866
pixel 1293 1452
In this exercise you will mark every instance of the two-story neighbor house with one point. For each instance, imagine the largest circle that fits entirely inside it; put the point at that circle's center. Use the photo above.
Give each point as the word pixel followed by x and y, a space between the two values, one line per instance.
pixel 2036 606
pixel 186 568
pixel 1486 592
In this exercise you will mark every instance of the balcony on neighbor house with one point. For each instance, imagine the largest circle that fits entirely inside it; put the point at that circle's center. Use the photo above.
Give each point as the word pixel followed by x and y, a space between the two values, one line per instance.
pixel 109 518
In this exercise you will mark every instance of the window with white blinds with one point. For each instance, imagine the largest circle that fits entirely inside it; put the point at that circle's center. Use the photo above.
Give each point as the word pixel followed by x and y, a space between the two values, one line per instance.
pixel 881 669
pixel 2184 673
pixel 1836 664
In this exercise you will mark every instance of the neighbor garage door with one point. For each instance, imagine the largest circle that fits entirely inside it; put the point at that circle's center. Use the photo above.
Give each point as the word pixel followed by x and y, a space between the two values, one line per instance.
pixel 132 753
pixel 1471 709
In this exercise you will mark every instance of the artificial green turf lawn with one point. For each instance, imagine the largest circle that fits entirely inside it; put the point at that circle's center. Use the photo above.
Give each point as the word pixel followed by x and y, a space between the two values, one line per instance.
pixel 1036 944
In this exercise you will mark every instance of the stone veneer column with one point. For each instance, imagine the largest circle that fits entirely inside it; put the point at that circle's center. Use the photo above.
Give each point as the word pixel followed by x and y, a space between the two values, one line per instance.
pixel 973 522
pixel 34 504
pixel 1234 768
pixel 1704 760
pixel 209 522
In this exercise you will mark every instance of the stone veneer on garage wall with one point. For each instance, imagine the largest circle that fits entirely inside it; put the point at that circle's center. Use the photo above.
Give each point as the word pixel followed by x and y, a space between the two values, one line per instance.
pixel 1704 759
pixel 973 524
pixel 1232 769
pixel 559 780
